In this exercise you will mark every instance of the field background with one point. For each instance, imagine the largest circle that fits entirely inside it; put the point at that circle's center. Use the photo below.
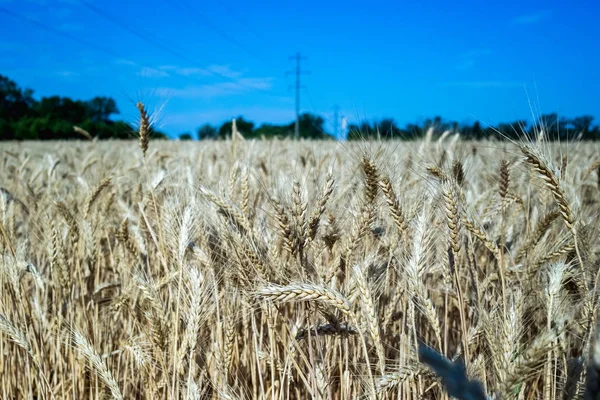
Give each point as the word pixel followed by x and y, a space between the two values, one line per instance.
pixel 295 270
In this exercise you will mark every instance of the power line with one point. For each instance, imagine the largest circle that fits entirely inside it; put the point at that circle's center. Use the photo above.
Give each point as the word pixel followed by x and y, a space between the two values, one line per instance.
pixel 242 20
pixel 298 71
pixel 140 36
pixel 167 49
pixel 79 40
pixel 206 21
pixel 187 8
pixel 58 32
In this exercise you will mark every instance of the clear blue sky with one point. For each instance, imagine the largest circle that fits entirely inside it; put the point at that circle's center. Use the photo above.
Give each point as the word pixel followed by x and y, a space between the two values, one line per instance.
pixel 207 61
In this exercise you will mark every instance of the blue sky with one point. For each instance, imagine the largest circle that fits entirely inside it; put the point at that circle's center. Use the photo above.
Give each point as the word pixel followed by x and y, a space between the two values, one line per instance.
pixel 207 61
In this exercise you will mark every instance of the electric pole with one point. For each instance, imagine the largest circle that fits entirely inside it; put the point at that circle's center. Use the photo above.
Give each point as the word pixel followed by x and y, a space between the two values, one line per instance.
pixel 298 72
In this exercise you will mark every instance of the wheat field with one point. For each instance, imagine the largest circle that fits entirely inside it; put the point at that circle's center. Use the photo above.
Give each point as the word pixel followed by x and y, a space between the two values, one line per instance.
pixel 299 270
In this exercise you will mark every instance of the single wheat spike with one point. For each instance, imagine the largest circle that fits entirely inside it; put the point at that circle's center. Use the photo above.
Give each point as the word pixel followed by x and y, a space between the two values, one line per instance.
pixel 144 129
pixel 458 172
pixel 436 172
pixel 305 292
pixel 299 214
pixel 480 234
pixel 551 180
pixel 71 221
pixel 390 381
pixel 82 132
pixel 529 363
pixel 313 222
pixel 371 178
pixel 394 204
pixel 541 228
pixel 85 349
pixel 370 314
pixel 245 194
pixel 285 229
pixel 504 179
pixel 94 194
pixel 452 216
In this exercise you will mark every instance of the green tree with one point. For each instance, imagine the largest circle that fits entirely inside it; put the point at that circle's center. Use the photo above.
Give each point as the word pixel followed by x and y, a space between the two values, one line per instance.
pixel 310 126
pixel 185 137
pixel 243 126
pixel 15 102
pixel 388 129
pixel 207 131
pixel 269 131
pixel 549 123
pixel 383 129
pixel 109 129
pixel 476 131
pixel 101 108
pixel 62 108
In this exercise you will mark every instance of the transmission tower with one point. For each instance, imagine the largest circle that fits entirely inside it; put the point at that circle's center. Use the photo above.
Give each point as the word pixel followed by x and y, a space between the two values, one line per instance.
pixel 298 71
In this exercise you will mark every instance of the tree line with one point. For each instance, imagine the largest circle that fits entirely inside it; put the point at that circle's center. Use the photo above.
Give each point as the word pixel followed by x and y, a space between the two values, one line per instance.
pixel 58 118
pixel 55 117
pixel 554 128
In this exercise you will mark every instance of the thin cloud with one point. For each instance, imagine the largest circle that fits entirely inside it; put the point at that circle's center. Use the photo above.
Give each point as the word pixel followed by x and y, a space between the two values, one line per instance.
pixel 215 69
pixel 164 71
pixel 532 18
pixel 152 73
pixel 218 89
pixel 123 61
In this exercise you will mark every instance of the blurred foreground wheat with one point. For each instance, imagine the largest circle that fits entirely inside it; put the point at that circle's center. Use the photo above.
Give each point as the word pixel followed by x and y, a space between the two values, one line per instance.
pixel 297 270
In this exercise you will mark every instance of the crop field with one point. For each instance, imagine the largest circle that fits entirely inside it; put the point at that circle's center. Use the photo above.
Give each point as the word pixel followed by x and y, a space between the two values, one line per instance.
pixel 299 270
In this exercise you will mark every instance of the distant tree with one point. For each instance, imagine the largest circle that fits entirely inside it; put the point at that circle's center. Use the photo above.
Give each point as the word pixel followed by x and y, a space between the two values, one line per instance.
pixel 594 133
pixel 513 130
pixel 353 132
pixel 15 102
pixel 101 108
pixel 6 132
pixel 454 126
pixel 42 128
pixel 207 131
pixel 63 108
pixel 388 129
pixel 243 126
pixel 155 134
pixel 56 117
pixel 583 123
pixel 476 131
pixel 549 123
pixel 311 127
pixel 110 129
pixel 270 131
pixel 383 129
pixel 414 131
pixel 363 131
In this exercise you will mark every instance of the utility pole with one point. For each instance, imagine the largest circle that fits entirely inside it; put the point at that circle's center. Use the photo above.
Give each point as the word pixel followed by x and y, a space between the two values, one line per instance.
pixel 297 72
